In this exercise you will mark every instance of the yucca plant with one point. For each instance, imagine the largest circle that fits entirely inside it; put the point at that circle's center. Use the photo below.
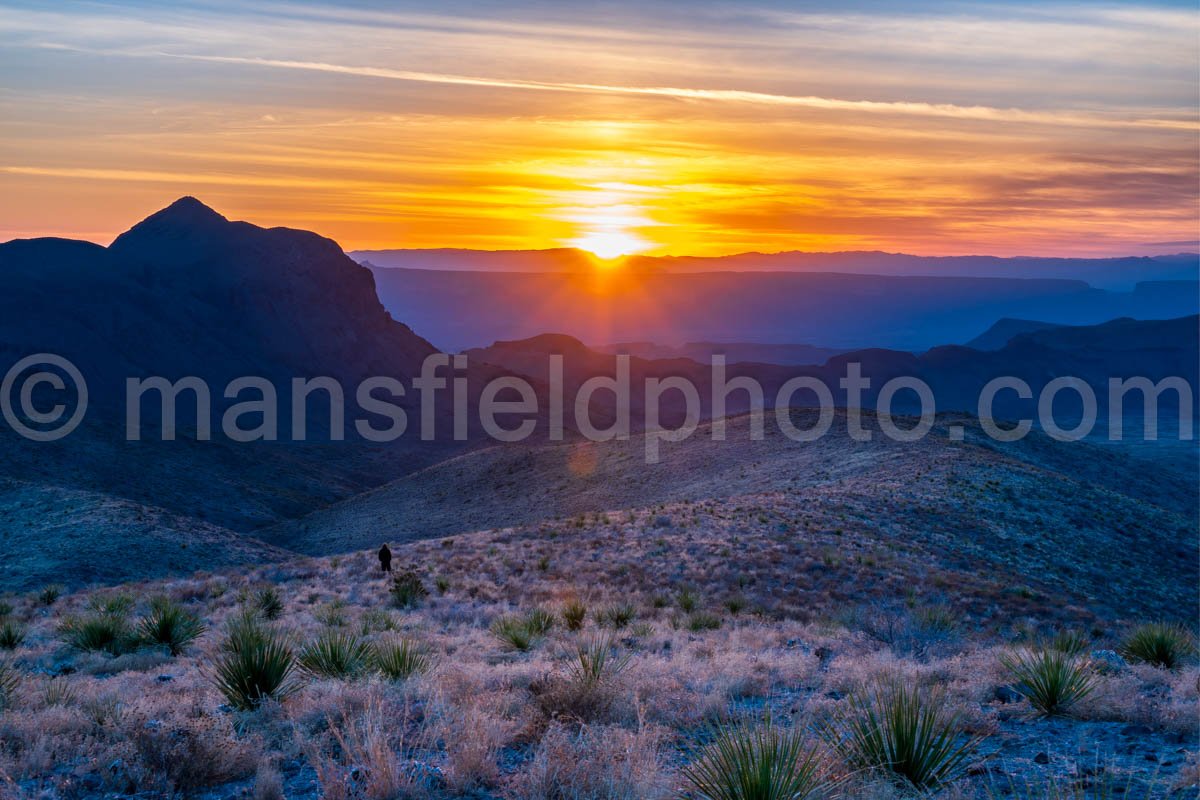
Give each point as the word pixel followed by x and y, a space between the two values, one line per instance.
pixel 407 589
pixel 904 732
pixel 514 631
pixel 170 625
pixel 573 614
pixel 761 762
pixel 101 632
pixel 336 654
pixel 49 594
pixel 255 664
pixel 687 600
pixel 1052 681
pixel 12 635
pixel 1160 644
pixel 699 621
pixel 618 615
pixel 1070 642
pixel 597 662
pixel 269 603
pixel 539 621
pixel 399 659
pixel 10 681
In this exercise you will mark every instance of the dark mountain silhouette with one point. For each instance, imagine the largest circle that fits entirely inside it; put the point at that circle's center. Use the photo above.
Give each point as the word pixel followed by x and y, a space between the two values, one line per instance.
pixel 187 292
pixel 1122 348
pixel 1108 273
pixel 1002 332
pixel 458 310
pixel 733 351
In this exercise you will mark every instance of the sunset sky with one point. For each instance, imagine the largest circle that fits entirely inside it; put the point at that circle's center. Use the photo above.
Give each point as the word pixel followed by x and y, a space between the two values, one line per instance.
pixel 704 128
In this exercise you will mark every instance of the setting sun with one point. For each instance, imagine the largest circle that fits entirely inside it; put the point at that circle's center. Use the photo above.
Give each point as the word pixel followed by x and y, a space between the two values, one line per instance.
pixel 610 244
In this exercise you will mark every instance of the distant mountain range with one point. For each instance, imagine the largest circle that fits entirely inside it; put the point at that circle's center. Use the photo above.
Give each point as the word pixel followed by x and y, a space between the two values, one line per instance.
pixel 459 310
pixel 1105 273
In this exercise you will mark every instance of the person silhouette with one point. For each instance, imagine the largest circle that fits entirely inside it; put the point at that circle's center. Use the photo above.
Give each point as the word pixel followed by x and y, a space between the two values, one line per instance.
pixel 385 558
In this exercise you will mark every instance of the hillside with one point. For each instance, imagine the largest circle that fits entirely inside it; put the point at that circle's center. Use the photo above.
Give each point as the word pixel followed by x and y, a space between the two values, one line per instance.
pixel 1005 510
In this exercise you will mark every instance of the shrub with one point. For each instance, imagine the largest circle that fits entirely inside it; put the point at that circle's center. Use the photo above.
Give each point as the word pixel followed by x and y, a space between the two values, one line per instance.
pixel 407 589
pixel 903 732
pixel 10 680
pixel 539 621
pixel 1072 643
pixel 442 584
pixel 255 664
pixel 49 594
pixel 573 614
pixel 1161 644
pixel 332 615
pixel 515 631
pixel 596 662
pixel 58 693
pixel 104 632
pixel 618 615
pixel 12 635
pixel 735 605
pixel 1052 681
pixel 586 690
pixel 687 600
pixel 335 654
pixel 400 659
pixel 170 625
pixel 702 621
pixel 116 605
pixel 269 603
pixel 762 762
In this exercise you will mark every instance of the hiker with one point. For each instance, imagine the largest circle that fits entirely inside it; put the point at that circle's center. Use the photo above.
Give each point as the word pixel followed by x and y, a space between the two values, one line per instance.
pixel 385 558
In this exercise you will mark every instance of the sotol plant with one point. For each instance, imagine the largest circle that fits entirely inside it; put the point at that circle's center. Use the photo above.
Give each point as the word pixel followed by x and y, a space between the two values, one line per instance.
pixel 399 659
pixel 256 663
pixel 1051 680
pixel 407 589
pixel 170 625
pixel 903 732
pixel 335 654
pixel 1161 644
pixel 763 762
pixel 12 635
pixel 100 631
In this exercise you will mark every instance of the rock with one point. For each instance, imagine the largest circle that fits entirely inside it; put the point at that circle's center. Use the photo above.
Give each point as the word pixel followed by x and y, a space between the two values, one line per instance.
pixel 165 678
pixel 1136 731
pixel 1108 661
pixel 662 521
pixel 1006 694
pixel 1041 758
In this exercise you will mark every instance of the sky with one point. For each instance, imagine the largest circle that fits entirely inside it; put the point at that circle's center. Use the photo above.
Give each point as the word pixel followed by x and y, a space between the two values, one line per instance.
pixel 697 128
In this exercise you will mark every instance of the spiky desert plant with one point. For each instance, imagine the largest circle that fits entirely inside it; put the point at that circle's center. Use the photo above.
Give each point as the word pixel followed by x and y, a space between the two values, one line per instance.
pixel 1071 642
pixel 688 600
pixel 699 621
pixel 1160 644
pixel 407 589
pixel 400 659
pixel 760 762
pixel 1052 681
pixel 100 632
pixel 618 615
pixel 336 654
pixel 539 621
pixel 170 625
pixel 49 594
pixel 269 603
pixel 255 663
pixel 10 681
pixel 573 613
pixel 513 630
pixel 904 732
pixel 597 661
pixel 12 635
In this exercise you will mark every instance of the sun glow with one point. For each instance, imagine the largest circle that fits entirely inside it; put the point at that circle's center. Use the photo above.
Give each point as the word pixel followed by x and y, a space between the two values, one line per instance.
pixel 610 244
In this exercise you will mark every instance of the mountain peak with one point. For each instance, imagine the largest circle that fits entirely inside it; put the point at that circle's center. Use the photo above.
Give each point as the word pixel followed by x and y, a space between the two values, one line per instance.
pixel 175 232
pixel 188 208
